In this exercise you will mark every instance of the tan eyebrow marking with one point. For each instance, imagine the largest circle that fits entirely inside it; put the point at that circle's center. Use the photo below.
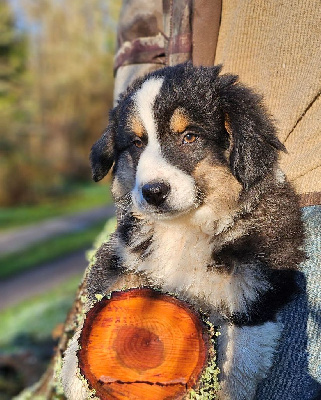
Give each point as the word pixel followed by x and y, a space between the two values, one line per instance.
pixel 227 124
pixel 179 120
pixel 136 126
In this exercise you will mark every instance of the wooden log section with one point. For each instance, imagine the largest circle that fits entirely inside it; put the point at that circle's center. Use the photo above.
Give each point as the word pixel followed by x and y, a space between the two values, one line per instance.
pixel 142 344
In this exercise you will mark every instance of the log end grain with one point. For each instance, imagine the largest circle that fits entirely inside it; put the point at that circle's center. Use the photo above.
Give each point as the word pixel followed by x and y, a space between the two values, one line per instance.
pixel 142 344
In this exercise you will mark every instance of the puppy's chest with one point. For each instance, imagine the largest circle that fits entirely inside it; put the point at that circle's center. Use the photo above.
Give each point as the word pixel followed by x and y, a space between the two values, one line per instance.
pixel 178 250
pixel 176 257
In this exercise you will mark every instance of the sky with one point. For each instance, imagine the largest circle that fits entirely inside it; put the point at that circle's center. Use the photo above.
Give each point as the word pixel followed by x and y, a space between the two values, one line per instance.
pixel 20 16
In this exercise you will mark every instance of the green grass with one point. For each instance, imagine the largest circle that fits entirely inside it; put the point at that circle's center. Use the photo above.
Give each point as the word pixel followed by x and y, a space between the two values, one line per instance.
pixel 47 250
pixel 26 330
pixel 76 199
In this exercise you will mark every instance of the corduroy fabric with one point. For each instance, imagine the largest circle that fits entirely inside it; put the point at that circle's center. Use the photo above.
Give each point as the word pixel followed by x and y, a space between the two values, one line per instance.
pixel 310 199
pixel 275 47
pixel 204 50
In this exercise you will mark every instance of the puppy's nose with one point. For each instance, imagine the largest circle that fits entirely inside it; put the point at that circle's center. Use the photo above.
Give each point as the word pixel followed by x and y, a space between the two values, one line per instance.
pixel 155 193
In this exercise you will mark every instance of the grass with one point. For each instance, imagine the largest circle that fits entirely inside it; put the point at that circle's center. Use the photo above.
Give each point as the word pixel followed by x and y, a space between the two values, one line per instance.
pixel 76 199
pixel 47 250
pixel 26 332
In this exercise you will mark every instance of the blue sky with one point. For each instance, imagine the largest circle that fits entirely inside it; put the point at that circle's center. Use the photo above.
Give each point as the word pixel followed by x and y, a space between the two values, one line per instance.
pixel 19 12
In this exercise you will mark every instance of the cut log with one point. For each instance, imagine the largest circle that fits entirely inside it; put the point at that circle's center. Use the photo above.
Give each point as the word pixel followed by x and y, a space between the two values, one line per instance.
pixel 142 344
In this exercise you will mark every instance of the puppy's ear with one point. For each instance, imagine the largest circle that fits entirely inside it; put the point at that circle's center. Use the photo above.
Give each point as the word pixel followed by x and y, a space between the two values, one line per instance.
pixel 254 145
pixel 102 152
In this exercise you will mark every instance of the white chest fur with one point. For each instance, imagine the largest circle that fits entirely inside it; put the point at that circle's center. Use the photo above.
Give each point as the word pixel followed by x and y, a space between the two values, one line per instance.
pixel 178 262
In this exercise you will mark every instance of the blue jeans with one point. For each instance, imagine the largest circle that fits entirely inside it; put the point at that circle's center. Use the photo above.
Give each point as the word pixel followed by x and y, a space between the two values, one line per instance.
pixel 296 373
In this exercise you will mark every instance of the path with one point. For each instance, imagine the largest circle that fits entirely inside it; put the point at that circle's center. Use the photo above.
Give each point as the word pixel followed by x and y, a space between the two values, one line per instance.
pixel 29 283
pixel 19 239
pixel 40 279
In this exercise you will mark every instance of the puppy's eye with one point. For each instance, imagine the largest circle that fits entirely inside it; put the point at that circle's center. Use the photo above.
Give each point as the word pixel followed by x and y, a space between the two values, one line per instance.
pixel 138 143
pixel 190 138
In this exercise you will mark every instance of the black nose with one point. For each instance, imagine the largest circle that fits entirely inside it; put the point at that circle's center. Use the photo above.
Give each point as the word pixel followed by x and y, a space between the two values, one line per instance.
pixel 155 193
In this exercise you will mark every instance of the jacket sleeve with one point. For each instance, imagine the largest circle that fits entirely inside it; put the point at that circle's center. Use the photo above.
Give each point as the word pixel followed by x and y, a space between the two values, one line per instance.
pixel 140 42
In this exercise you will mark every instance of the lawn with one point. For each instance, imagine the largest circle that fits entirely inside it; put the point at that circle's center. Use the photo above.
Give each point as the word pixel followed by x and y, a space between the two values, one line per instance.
pixel 27 338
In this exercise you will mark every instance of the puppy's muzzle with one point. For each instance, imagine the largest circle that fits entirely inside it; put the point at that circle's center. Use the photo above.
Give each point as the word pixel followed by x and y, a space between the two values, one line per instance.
pixel 156 193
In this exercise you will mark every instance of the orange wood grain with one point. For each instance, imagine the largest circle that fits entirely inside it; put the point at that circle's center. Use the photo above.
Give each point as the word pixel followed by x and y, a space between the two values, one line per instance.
pixel 142 344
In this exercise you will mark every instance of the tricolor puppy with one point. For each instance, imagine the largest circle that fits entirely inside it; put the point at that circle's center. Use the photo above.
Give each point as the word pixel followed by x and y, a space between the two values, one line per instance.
pixel 203 209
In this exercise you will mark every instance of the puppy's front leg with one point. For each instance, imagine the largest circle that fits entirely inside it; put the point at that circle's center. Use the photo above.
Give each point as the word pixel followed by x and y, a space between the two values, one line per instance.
pixel 245 354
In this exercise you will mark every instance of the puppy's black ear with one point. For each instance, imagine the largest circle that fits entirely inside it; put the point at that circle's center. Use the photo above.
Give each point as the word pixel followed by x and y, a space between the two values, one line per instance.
pixel 254 145
pixel 102 152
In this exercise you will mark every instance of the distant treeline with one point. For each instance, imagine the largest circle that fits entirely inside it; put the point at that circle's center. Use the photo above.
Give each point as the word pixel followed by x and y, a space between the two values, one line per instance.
pixel 56 82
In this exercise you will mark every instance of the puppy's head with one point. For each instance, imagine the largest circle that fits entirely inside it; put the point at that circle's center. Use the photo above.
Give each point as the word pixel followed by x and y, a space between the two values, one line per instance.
pixel 184 134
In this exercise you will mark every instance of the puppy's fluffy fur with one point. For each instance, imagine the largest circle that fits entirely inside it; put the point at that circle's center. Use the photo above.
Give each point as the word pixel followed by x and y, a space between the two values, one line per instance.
pixel 203 209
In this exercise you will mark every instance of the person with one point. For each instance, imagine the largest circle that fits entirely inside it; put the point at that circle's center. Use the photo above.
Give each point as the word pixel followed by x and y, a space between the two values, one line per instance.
pixel 275 48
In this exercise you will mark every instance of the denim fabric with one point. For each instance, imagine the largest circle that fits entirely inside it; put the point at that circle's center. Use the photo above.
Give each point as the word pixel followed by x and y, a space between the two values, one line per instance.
pixel 296 373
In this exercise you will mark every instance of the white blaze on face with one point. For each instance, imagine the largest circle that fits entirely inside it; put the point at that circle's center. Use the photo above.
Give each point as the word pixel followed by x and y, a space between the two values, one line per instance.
pixel 152 167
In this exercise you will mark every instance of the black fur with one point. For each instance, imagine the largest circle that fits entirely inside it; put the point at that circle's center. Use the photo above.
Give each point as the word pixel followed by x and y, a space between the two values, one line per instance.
pixel 127 229
pixel 254 143
pixel 143 247
pixel 102 153
pixel 283 289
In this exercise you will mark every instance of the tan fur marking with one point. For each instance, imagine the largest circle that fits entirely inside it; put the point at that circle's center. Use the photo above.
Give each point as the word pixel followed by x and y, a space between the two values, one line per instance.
pixel 227 125
pixel 230 133
pixel 222 193
pixel 179 121
pixel 128 280
pixel 136 126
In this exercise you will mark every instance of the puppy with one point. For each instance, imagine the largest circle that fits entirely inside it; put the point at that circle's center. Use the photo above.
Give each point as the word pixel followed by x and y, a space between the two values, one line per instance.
pixel 203 209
